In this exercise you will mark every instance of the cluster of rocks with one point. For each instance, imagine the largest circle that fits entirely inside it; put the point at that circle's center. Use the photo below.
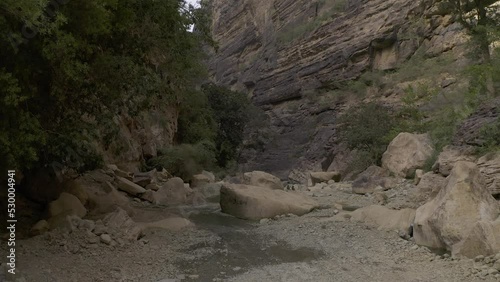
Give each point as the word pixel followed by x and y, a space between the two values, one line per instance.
pixel 486 266
pixel 159 188
pixel 109 194
pixel 453 206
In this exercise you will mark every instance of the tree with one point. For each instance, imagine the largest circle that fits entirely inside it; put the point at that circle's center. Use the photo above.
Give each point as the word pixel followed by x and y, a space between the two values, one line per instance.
pixel 481 19
pixel 231 114
pixel 365 128
pixel 68 67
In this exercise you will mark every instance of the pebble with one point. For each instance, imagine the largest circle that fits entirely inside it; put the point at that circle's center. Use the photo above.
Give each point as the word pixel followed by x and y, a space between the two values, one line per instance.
pixel 237 268
pixel 106 239
pixel 492 271
pixel 479 258
pixel 497 256
pixel 483 273
pixel 264 221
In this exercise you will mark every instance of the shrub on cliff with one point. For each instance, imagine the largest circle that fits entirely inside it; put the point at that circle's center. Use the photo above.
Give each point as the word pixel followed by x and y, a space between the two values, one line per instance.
pixel 365 128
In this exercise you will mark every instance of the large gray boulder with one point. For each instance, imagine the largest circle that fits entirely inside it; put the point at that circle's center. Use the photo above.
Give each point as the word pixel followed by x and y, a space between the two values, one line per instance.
pixel 106 199
pixel 254 202
pixel 128 186
pixel 66 204
pixel 174 192
pixel 59 210
pixel 448 218
pixel 428 187
pixel 120 225
pixel 263 179
pixel 406 153
pixel 384 218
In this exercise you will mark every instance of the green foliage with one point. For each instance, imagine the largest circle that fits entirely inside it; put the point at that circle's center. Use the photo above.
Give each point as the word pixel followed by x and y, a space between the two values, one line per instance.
pixel 67 69
pixel 196 120
pixel 214 115
pixel 231 113
pixel 440 123
pixel 185 160
pixel 365 128
pixel 490 137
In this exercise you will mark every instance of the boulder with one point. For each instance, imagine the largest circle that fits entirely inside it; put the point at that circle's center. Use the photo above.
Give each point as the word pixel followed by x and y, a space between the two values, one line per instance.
pixel 76 188
pixel 372 177
pixel 150 196
pixel 153 186
pixel 254 202
pixel 199 180
pixel 170 224
pixel 107 199
pixel 66 204
pixel 451 155
pixel 161 176
pixel 263 179
pixel 174 192
pixel 489 166
pixel 120 225
pixel 406 153
pixel 129 186
pixel 125 174
pixel 142 180
pixel 428 187
pixel 483 239
pixel 324 177
pixel 449 217
pixel 384 218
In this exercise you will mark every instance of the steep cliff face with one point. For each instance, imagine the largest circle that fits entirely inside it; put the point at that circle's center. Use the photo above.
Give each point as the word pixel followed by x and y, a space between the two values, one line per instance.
pixel 282 52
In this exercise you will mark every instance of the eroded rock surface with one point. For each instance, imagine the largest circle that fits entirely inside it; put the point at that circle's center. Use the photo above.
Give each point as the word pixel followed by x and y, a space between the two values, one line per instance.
pixel 448 218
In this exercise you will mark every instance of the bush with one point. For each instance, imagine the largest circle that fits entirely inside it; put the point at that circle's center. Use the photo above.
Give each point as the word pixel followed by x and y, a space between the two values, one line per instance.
pixel 185 160
pixel 231 112
pixel 490 138
pixel 365 128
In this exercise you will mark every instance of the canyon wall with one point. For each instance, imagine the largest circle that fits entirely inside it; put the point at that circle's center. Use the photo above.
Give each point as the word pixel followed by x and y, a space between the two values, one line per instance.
pixel 284 52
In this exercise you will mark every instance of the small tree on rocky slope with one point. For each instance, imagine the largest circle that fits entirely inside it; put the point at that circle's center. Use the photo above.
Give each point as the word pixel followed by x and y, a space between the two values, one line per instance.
pixel 481 18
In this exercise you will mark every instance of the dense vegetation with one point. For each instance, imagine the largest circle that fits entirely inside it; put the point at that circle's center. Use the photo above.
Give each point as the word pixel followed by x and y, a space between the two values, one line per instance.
pixel 68 67
pixel 211 129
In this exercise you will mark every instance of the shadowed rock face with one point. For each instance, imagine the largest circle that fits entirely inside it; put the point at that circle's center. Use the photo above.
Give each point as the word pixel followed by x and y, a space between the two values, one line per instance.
pixel 254 58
